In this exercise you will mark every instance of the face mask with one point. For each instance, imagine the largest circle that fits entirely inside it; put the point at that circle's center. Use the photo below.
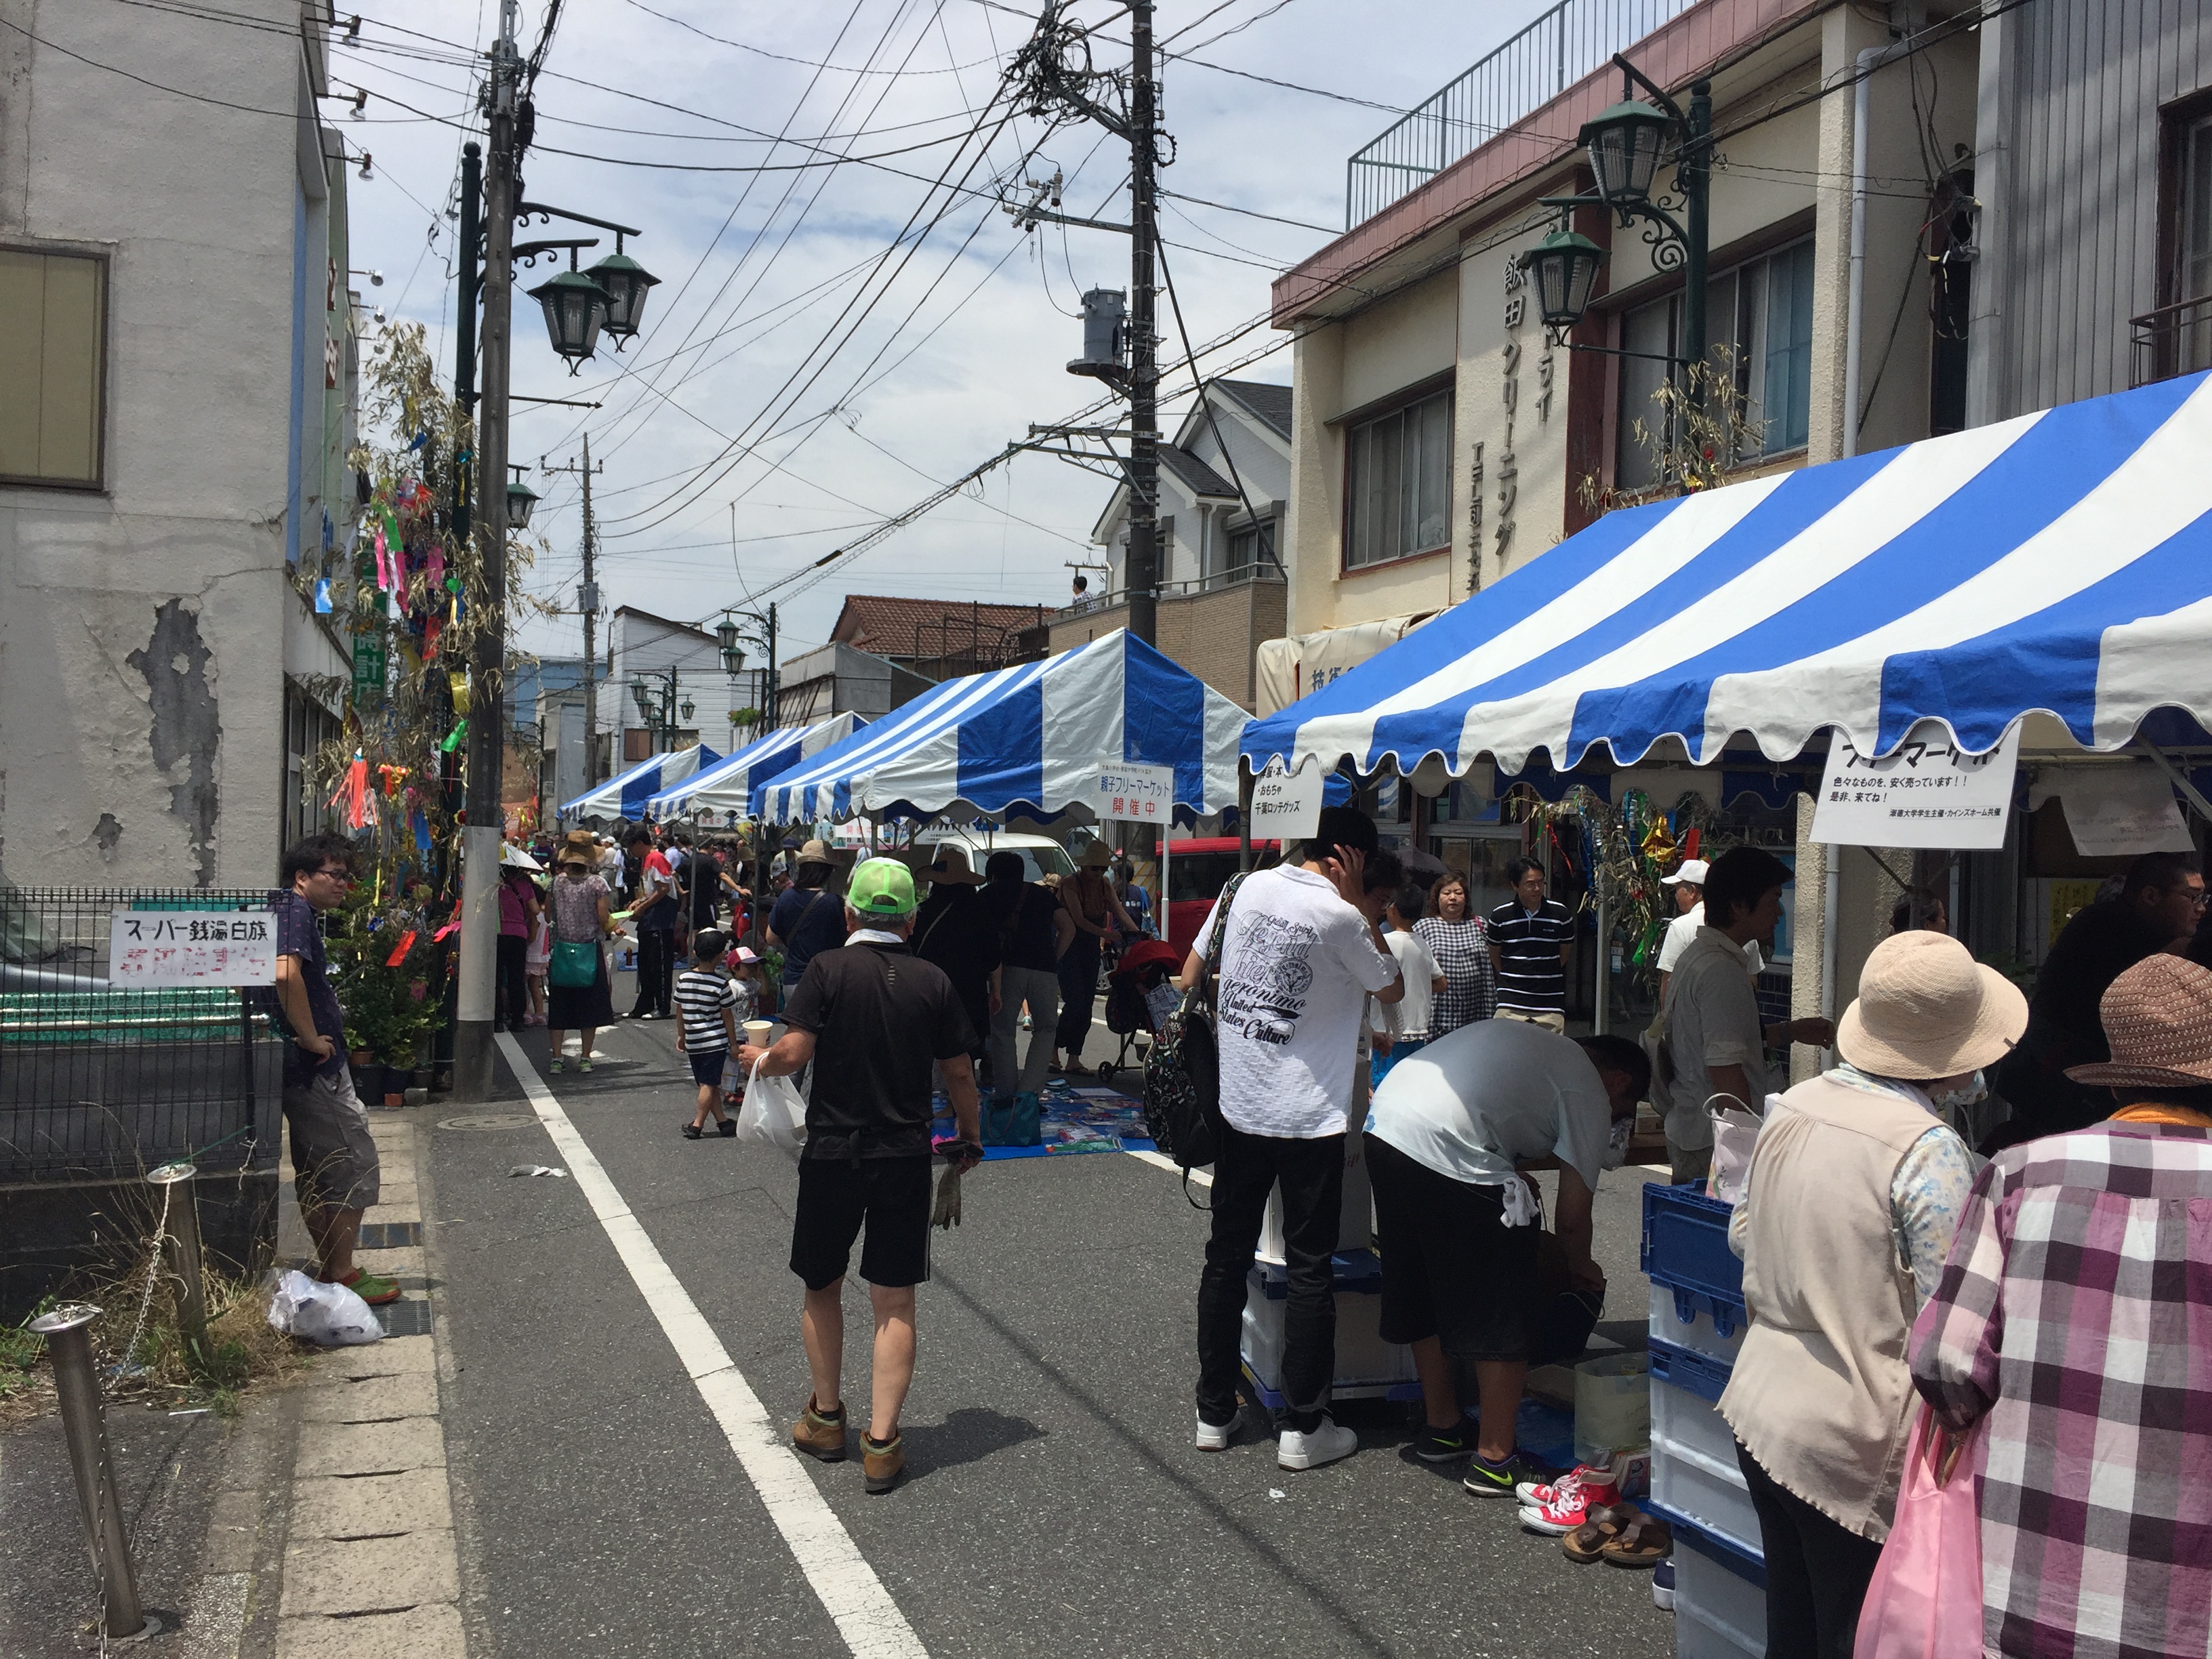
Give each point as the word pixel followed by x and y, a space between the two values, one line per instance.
pixel 1616 1146
pixel 1972 1094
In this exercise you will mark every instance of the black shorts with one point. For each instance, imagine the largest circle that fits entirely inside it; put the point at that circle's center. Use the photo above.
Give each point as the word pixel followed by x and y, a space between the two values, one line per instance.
pixel 707 1065
pixel 836 1196
pixel 1451 1268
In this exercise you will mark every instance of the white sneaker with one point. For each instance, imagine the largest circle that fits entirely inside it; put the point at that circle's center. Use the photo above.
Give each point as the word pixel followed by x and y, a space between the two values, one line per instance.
pixel 1326 1443
pixel 1215 1437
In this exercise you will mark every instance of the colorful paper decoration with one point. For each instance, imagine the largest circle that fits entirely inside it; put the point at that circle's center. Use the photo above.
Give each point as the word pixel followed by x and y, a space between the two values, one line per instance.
pixel 399 952
pixel 322 596
pixel 360 809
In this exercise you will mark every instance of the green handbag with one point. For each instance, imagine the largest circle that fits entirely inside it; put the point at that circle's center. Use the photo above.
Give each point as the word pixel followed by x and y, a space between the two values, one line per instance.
pixel 576 965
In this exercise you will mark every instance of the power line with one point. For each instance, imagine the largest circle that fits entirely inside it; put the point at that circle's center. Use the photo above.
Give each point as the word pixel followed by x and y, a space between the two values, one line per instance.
pixel 783 57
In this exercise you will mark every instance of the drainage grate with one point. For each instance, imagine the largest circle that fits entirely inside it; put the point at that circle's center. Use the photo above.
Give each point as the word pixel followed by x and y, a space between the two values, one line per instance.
pixel 389 1235
pixel 409 1317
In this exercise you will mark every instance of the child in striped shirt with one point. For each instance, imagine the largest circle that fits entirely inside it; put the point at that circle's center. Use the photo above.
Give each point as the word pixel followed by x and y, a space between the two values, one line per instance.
pixel 708 1002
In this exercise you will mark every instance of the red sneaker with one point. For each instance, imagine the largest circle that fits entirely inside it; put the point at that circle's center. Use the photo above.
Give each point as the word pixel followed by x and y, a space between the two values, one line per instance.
pixel 1571 1502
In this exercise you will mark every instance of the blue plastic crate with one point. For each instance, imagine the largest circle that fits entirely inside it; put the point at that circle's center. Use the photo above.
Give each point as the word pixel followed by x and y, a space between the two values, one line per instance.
pixel 1685 1249
pixel 1693 1373
pixel 1747 1564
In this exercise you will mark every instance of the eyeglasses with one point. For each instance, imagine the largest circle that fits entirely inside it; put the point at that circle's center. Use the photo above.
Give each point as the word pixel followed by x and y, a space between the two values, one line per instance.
pixel 344 876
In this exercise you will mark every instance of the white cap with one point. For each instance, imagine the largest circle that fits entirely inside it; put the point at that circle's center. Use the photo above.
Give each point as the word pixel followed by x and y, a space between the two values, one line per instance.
pixel 1692 870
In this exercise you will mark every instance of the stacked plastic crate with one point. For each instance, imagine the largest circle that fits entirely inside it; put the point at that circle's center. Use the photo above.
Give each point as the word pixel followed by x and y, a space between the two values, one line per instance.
pixel 1697 1322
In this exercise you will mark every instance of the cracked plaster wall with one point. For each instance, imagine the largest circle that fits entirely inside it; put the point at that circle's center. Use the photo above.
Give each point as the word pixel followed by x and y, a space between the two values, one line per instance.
pixel 142 626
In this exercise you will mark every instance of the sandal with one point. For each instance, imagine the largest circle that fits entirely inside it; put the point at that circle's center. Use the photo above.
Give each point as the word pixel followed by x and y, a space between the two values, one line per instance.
pixel 1600 1526
pixel 1645 1542
pixel 372 1288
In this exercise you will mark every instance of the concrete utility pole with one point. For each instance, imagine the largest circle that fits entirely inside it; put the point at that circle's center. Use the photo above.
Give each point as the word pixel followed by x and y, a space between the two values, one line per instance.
pixel 1142 573
pixel 481 835
pixel 588 601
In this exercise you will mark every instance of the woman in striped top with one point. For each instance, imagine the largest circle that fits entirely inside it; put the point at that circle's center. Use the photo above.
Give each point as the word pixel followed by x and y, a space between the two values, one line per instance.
pixel 1461 944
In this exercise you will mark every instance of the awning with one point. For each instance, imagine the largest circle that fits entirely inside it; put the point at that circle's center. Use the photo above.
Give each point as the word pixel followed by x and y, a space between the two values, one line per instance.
pixel 625 794
pixel 2061 561
pixel 1025 739
pixel 728 786
pixel 1289 668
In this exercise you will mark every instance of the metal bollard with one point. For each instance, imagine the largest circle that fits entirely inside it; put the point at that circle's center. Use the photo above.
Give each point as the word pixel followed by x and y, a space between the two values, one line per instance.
pixel 180 1253
pixel 69 1345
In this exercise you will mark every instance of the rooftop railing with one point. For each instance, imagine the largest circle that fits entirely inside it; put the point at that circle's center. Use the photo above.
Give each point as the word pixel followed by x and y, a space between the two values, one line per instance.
pixel 1527 72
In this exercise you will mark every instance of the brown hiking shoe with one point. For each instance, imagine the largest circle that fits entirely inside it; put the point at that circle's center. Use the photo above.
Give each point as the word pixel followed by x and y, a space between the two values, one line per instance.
pixel 882 1466
pixel 818 1436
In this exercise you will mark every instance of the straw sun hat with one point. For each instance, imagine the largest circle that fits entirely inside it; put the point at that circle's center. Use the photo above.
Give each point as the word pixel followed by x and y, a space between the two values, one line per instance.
pixel 950 867
pixel 2158 1016
pixel 1926 1009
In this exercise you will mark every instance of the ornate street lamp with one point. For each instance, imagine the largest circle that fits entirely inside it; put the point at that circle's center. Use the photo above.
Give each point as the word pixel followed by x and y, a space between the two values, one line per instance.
pixel 643 694
pixel 688 709
pixel 1564 268
pixel 1624 142
pixel 520 498
pixel 625 283
pixel 576 311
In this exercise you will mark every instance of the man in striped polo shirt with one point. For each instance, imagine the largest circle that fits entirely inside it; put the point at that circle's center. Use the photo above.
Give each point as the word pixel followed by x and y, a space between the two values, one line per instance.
pixel 1530 936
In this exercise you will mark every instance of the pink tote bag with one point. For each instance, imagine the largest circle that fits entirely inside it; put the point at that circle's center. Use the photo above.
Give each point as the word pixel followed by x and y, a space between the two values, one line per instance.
pixel 1925 1600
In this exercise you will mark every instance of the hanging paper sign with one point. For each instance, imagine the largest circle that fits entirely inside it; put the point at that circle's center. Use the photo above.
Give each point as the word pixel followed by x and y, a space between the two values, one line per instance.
pixel 2116 811
pixel 1930 793
pixel 148 948
pixel 1136 793
pixel 1286 805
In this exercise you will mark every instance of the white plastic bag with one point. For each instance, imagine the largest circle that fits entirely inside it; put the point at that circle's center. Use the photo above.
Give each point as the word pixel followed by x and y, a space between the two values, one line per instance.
pixel 774 1112
pixel 330 1315
pixel 1735 1135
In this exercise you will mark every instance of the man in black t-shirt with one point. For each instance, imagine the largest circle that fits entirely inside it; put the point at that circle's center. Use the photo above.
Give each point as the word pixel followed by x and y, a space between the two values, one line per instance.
pixel 870 1016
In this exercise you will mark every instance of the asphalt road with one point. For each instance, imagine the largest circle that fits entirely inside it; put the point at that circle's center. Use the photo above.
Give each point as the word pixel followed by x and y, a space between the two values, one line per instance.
pixel 1054 1503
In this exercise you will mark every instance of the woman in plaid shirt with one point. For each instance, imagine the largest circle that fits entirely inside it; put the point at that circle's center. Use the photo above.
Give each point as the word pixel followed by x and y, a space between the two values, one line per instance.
pixel 2075 1315
pixel 1461 944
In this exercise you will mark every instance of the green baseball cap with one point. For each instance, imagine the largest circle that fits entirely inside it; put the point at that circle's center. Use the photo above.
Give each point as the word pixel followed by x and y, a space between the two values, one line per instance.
pixel 882 887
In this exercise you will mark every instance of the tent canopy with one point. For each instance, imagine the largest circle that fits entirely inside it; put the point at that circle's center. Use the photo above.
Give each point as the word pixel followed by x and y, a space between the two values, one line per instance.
pixel 625 794
pixel 1025 739
pixel 2061 561
pixel 727 787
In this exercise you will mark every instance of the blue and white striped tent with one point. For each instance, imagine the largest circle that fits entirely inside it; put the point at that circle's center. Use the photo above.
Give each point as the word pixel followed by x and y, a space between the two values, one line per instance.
pixel 1025 739
pixel 625 794
pixel 727 787
pixel 2061 561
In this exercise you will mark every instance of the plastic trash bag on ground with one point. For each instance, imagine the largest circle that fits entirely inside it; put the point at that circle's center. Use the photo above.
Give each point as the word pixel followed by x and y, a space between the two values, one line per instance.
pixel 330 1316
pixel 774 1112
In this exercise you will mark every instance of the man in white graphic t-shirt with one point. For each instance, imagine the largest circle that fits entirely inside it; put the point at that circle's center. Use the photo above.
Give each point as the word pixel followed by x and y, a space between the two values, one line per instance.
pixel 1299 954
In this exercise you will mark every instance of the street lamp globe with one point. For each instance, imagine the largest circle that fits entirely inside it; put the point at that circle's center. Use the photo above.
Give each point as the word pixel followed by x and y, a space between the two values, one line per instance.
pixel 733 661
pixel 521 499
pixel 686 709
pixel 1564 268
pixel 575 311
pixel 726 635
pixel 642 694
pixel 1624 142
pixel 624 283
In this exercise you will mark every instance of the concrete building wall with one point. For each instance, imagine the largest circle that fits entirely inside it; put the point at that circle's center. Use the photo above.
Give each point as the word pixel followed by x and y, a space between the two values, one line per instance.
pixel 141 666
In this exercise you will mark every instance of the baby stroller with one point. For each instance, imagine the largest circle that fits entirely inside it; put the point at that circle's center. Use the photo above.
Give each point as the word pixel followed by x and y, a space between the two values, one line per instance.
pixel 1145 967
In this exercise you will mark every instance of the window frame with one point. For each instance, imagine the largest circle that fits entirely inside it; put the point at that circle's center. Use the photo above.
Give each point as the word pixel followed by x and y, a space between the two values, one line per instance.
pixel 2178 122
pixel 1349 426
pixel 104 257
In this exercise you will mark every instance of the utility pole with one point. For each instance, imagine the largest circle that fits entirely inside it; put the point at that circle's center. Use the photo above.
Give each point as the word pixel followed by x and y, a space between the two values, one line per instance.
pixel 588 601
pixel 482 837
pixel 1142 573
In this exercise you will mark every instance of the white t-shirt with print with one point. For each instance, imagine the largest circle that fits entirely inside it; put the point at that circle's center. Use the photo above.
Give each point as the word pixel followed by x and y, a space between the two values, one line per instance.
pixel 1475 1100
pixel 1411 1015
pixel 1296 962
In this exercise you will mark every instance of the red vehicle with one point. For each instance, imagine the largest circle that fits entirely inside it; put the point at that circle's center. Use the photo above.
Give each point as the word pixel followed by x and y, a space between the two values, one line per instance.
pixel 1197 871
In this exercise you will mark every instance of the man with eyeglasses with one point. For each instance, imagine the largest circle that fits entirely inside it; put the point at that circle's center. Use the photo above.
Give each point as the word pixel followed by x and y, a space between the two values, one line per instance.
pixel 334 1169
pixel 2162 900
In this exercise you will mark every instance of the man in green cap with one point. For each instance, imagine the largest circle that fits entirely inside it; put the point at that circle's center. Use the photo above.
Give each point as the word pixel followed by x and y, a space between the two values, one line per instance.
pixel 872 1017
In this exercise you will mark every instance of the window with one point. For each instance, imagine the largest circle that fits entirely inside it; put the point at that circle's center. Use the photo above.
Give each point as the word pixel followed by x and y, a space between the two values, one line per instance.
pixel 2189 184
pixel 52 349
pixel 1759 321
pixel 1242 554
pixel 1399 491
pixel 307 727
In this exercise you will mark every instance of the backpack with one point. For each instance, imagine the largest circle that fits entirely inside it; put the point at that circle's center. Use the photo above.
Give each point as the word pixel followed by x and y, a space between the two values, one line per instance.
pixel 1182 1074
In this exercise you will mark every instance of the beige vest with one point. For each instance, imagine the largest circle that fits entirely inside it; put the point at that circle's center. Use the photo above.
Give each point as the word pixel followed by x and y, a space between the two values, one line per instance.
pixel 1820 1392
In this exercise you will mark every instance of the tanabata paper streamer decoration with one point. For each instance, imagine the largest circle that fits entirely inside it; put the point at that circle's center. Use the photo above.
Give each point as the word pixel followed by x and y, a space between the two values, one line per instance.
pixel 322 596
pixel 435 564
pixel 453 738
pixel 383 564
pixel 421 438
pixel 439 938
pixel 1689 843
pixel 422 832
pixel 359 810
pixel 458 684
pixel 393 777
pixel 400 951
pixel 430 631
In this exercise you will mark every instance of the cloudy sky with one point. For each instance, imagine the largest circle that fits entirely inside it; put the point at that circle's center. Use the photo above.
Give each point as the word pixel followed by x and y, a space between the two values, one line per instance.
pixel 829 342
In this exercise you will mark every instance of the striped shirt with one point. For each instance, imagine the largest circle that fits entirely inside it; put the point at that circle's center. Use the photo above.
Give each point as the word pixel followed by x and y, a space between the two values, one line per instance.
pixel 2073 1321
pixel 1532 978
pixel 701 993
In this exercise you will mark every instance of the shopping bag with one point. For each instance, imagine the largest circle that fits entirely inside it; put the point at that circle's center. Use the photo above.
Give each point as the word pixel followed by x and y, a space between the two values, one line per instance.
pixel 329 1315
pixel 1735 1135
pixel 774 1112
pixel 1925 1600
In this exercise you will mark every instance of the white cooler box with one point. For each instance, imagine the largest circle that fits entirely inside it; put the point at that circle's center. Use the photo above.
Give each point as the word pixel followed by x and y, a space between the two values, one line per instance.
pixel 1720 1599
pixel 1367 1367
pixel 1693 1466
pixel 1355 1228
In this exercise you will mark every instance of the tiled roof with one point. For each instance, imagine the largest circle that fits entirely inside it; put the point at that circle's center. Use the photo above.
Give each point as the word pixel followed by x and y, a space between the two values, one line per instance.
pixel 1271 404
pixel 1202 479
pixel 891 627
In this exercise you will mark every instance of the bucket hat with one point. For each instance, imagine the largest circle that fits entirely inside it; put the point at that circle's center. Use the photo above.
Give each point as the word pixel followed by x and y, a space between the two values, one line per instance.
pixel 1692 870
pixel 815 852
pixel 951 866
pixel 1095 856
pixel 2158 1018
pixel 1927 1009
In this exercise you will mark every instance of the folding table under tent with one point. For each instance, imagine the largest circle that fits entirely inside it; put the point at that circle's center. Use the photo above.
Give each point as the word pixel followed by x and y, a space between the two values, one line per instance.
pixel 625 794
pixel 728 786
pixel 2059 564
pixel 1027 739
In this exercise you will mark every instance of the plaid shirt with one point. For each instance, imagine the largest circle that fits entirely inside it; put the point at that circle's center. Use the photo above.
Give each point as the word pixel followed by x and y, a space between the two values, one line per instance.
pixel 1462 952
pixel 2076 1311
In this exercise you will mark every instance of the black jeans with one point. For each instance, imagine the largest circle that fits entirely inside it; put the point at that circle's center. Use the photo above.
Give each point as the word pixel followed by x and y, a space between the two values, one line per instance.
pixel 1312 1176
pixel 1817 1570
pixel 514 988
pixel 656 969
pixel 1079 993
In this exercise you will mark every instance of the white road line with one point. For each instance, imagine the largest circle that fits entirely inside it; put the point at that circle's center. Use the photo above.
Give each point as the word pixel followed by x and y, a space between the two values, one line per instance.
pixel 866 1617
pixel 1161 1160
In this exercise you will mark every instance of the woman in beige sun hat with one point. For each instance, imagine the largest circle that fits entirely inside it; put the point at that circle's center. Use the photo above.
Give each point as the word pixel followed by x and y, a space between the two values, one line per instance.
pixel 1855 1188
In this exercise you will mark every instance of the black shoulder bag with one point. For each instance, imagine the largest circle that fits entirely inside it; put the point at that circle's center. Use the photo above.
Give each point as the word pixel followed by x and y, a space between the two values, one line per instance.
pixel 1182 1074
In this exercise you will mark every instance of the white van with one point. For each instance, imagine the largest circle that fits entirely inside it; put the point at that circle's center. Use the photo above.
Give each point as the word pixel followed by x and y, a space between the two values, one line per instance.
pixel 1042 855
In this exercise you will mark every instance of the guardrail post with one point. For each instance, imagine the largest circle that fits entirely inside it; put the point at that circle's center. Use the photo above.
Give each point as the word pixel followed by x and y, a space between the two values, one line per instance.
pixel 68 1345
pixel 180 1252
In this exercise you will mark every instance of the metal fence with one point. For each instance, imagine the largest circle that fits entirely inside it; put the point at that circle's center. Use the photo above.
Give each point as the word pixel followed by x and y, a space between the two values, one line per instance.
pixel 98 1080
pixel 1535 66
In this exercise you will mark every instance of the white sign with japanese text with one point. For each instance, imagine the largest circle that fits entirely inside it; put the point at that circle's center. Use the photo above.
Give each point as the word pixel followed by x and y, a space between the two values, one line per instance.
pixel 1138 795
pixel 1929 793
pixel 148 948
pixel 1286 805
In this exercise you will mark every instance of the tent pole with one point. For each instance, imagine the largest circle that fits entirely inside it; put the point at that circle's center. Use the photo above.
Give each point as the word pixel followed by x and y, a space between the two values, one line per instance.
pixel 1244 815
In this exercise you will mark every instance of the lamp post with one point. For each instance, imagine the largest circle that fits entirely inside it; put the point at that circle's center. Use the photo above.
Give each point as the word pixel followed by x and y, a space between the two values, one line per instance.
pixel 653 690
pixel 1625 144
pixel 728 634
